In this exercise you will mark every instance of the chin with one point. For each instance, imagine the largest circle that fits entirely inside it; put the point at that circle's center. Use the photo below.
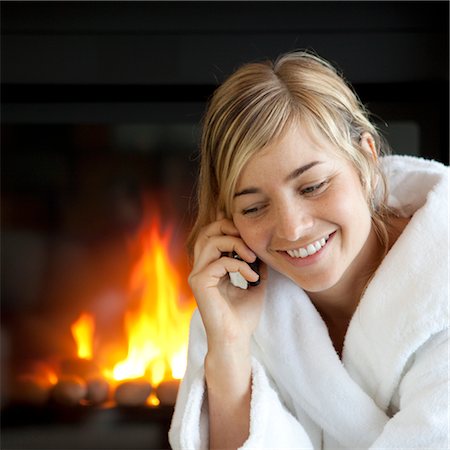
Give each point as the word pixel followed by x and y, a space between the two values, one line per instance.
pixel 316 284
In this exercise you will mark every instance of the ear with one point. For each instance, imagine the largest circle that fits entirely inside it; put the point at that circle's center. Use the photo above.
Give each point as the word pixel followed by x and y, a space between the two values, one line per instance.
pixel 367 143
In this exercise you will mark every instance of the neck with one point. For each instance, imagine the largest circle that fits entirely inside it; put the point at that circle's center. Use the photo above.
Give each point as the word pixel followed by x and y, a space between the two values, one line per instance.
pixel 338 304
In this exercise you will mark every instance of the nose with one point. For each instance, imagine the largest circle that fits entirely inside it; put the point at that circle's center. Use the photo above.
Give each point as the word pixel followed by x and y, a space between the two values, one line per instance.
pixel 292 222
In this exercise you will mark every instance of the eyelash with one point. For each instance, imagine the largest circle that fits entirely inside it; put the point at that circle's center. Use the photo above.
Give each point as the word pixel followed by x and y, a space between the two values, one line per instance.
pixel 253 210
pixel 309 191
pixel 312 189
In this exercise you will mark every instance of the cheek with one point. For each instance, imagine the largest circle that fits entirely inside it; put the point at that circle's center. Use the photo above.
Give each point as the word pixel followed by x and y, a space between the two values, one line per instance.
pixel 250 233
pixel 354 211
pixel 347 207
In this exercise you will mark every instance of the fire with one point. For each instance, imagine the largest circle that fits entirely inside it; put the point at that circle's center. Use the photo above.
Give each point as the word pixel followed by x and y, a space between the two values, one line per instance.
pixel 157 317
pixel 155 331
pixel 51 376
pixel 83 333
pixel 158 325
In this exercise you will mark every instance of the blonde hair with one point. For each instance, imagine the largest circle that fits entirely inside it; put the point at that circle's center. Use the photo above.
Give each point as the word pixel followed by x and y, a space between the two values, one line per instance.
pixel 254 107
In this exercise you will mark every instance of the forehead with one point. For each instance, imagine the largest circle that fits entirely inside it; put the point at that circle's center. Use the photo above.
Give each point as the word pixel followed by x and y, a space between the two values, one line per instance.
pixel 296 147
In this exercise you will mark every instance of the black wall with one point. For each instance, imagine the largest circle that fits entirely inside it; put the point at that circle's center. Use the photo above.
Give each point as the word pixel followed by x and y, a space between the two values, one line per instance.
pixel 102 61
pixel 186 43
pixel 102 100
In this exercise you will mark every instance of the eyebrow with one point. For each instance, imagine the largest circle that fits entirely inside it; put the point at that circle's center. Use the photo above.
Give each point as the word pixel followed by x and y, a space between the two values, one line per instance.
pixel 292 176
pixel 297 172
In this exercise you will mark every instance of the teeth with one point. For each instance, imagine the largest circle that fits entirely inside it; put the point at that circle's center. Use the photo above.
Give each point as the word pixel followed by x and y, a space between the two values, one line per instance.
pixel 303 253
pixel 310 249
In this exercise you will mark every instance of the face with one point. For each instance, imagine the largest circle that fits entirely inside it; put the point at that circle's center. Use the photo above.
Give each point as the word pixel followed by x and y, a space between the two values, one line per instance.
pixel 302 210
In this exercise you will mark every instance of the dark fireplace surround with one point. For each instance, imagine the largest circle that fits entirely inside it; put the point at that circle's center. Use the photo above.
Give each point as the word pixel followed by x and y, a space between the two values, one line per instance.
pixel 87 135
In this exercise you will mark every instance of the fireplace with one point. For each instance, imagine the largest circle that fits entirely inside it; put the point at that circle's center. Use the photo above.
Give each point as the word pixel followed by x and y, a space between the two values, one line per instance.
pixel 95 302
pixel 101 106
pixel 87 193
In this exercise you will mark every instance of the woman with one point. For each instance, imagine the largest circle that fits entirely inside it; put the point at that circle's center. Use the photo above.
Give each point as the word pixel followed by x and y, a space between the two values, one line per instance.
pixel 343 343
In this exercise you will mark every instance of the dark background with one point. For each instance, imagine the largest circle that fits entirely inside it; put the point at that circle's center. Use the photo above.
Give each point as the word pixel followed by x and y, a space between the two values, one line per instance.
pixel 101 102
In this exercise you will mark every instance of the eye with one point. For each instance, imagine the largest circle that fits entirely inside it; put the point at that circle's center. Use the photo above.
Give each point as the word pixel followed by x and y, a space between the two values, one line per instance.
pixel 314 189
pixel 252 211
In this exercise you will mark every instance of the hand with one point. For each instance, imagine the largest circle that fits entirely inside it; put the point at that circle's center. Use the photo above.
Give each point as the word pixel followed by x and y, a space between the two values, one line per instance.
pixel 229 314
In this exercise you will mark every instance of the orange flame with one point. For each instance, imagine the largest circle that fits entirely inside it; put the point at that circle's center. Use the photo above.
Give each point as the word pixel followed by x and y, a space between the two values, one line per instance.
pixel 83 333
pixel 157 318
pixel 51 376
pixel 158 324
pixel 42 371
pixel 153 400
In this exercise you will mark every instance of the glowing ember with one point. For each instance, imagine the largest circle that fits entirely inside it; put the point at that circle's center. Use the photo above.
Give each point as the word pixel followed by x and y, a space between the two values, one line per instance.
pixel 51 376
pixel 153 400
pixel 43 371
pixel 83 333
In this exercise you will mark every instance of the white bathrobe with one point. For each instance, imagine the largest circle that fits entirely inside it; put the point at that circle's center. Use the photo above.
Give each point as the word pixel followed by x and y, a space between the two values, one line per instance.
pixel 390 390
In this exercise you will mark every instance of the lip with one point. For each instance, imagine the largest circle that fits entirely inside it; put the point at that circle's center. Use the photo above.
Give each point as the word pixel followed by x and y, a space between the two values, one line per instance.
pixel 310 259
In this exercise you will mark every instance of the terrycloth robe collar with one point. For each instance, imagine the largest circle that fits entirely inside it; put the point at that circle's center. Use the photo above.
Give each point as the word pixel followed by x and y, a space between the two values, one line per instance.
pixel 397 313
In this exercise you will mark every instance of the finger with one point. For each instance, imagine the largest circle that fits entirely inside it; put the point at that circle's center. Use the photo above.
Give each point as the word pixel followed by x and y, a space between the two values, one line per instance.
pixel 222 267
pixel 222 226
pixel 259 275
pixel 220 246
pixel 263 271
pixel 215 229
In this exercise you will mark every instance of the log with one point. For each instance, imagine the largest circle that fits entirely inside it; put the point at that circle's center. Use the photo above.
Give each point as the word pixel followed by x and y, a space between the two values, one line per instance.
pixel 167 392
pixel 69 390
pixel 98 390
pixel 132 392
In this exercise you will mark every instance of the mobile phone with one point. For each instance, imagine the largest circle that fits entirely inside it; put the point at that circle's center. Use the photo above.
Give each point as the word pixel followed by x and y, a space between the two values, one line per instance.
pixel 238 280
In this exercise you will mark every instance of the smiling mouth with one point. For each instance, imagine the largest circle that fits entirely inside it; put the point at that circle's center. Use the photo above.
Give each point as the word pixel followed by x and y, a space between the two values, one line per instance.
pixel 309 250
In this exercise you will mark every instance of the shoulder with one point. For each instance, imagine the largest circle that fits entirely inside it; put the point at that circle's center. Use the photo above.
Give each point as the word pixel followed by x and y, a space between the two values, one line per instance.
pixel 414 182
pixel 406 302
pixel 394 164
